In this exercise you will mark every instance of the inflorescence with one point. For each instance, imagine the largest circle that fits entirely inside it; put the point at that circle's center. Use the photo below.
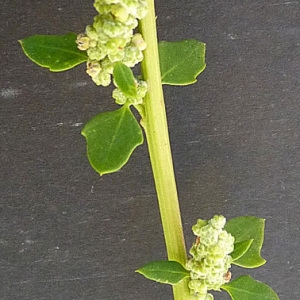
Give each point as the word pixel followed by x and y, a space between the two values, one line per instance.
pixel 210 257
pixel 111 39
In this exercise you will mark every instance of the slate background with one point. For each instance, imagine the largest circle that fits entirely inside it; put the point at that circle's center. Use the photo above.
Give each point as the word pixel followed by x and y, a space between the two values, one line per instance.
pixel 66 233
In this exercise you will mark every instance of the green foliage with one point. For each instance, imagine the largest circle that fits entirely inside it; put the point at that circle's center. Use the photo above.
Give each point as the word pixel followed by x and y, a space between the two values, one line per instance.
pixel 242 288
pixel 164 271
pixel 181 62
pixel 246 288
pixel 55 52
pixel 245 229
pixel 125 80
pixel 240 248
pixel 111 138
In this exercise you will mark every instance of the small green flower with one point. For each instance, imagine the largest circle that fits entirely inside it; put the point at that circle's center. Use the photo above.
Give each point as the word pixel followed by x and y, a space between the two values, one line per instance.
pixel 218 222
pixel 198 286
pixel 132 56
pixel 119 12
pixel 138 41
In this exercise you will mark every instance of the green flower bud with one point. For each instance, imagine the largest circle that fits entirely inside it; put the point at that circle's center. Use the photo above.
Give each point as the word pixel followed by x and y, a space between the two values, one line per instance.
pixel 99 22
pixel 131 23
pixel 116 43
pixel 198 226
pixel 208 235
pixel 119 12
pixel 142 88
pixel 226 242
pixel 215 281
pixel 119 96
pixel 107 65
pixel 96 53
pixel 217 251
pixel 198 286
pixel 199 251
pixel 199 272
pixel 102 8
pixel 138 41
pixel 132 56
pixel 118 56
pixel 218 222
pixel 91 32
pixel 198 289
pixel 103 79
pixel 137 11
pixel 113 29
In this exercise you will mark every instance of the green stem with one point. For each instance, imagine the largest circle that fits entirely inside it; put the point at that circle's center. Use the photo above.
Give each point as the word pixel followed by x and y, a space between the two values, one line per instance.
pixel 156 128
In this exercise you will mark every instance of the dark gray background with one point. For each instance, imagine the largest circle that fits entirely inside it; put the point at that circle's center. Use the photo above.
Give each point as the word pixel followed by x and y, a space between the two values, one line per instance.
pixel 68 234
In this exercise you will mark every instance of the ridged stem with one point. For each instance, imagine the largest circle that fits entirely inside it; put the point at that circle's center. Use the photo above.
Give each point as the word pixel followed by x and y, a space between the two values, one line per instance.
pixel 156 128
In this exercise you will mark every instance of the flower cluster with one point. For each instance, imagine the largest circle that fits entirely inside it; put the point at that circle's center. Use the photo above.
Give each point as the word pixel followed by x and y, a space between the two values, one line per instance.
pixel 210 257
pixel 111 39
pixel 121 99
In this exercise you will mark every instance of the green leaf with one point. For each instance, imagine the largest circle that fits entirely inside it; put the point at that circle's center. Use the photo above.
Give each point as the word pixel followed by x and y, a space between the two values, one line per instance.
pixel 240 248
pixel 181 62
pixel 111 138
pixel 164 271
pixel 246 288
pixel 55 52
pixel 125 80
pixel 248 228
